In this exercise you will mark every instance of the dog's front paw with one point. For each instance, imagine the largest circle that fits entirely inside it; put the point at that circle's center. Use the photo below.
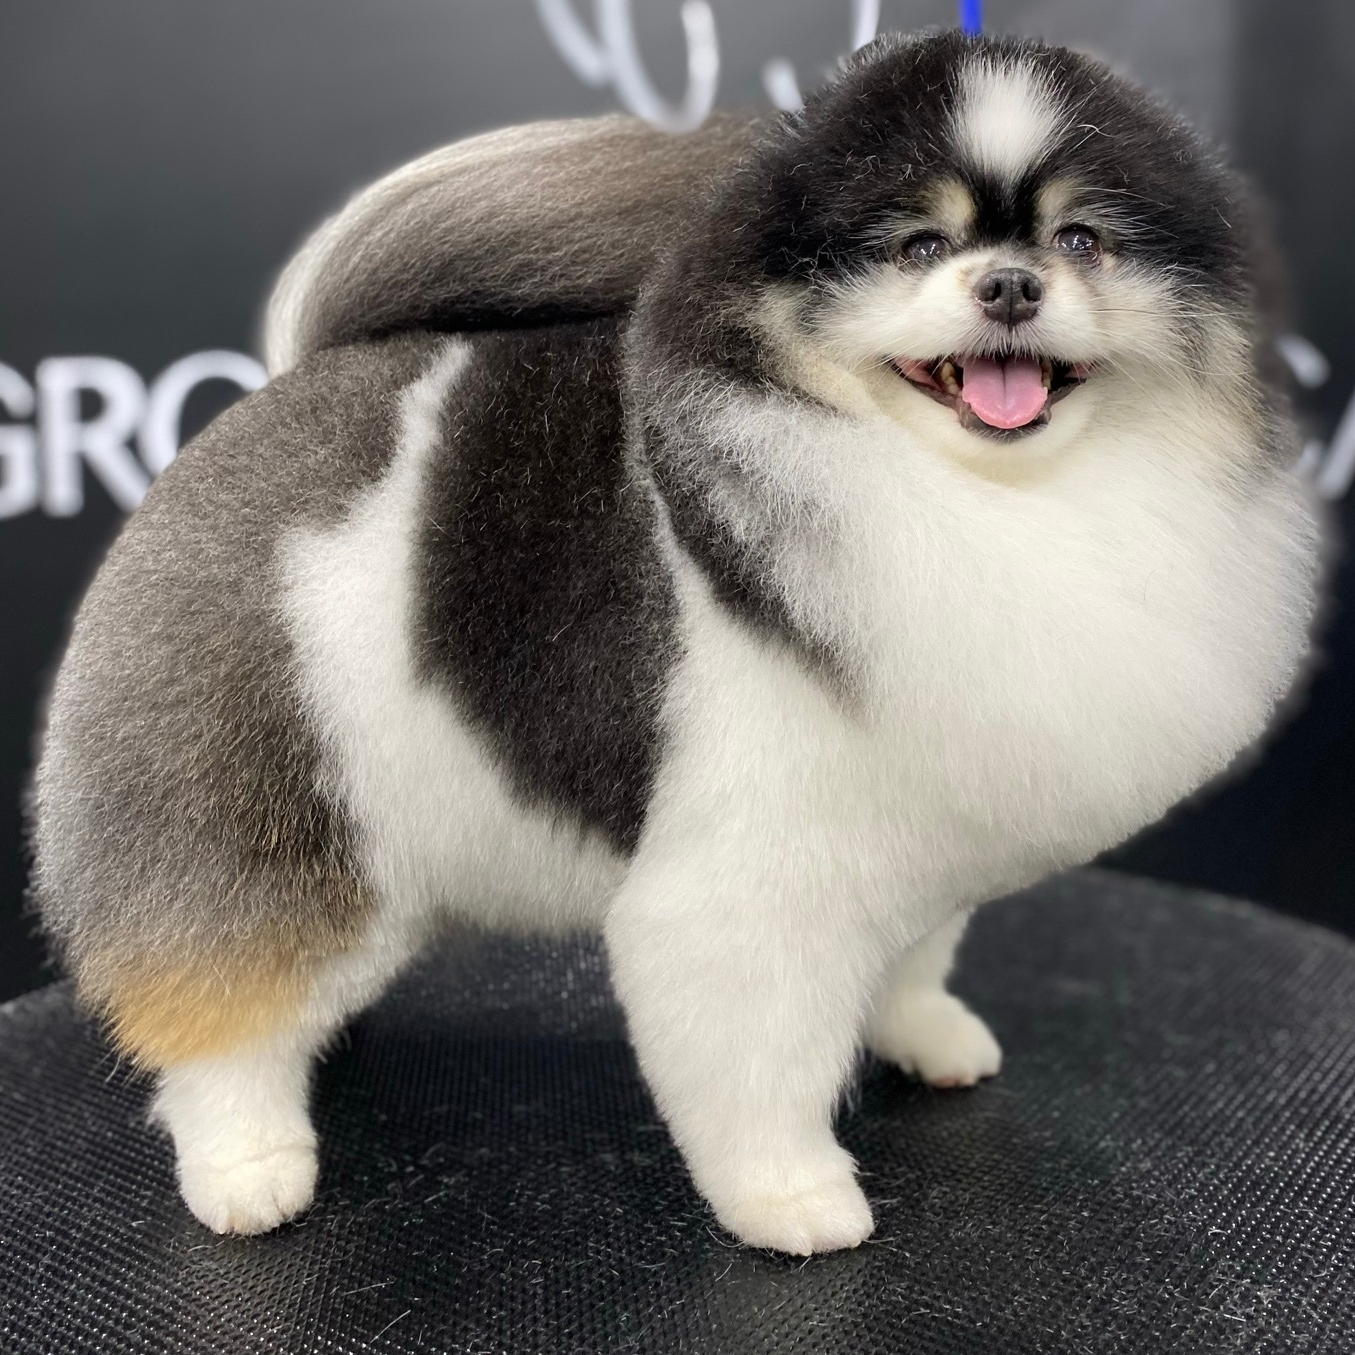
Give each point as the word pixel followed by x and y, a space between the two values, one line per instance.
pixel 936 1037
pixel 827 1216
pixel 250 1194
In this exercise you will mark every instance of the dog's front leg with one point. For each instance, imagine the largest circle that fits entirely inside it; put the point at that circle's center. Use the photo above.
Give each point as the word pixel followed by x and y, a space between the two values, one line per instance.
pixel 745 990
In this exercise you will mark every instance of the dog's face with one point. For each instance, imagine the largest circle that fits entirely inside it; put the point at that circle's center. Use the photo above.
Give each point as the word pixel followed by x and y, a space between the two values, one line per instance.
pixel 1001 240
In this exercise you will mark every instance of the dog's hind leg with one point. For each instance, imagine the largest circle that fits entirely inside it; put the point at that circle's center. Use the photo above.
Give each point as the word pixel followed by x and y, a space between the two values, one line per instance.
pixel 233 1046
pixel 245 1147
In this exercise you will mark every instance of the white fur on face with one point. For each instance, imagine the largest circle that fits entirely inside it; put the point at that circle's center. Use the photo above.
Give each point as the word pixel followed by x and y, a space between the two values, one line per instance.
pixel 1113 313
pixel 1122 319
pixel 1006 118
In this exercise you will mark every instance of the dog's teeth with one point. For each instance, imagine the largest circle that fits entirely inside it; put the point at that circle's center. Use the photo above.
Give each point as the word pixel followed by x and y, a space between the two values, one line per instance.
pixel 946 375
pixel 1046 372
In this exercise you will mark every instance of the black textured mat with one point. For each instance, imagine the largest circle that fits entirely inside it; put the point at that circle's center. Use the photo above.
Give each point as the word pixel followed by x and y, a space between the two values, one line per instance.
pixel 1165 1165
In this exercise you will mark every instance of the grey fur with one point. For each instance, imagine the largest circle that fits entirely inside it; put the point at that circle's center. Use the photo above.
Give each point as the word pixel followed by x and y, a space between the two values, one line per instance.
pixel 175 807
pixel 545 222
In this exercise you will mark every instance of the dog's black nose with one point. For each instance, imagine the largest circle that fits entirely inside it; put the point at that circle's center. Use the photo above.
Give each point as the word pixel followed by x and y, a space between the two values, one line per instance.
pixel 1010 294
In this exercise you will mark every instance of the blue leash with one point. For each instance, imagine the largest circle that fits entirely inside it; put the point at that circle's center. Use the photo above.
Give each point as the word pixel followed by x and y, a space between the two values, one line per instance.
pixel 971 16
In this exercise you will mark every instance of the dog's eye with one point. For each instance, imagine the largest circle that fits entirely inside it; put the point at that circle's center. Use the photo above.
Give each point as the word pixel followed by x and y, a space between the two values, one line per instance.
pixel 926 248
pixel 1081 241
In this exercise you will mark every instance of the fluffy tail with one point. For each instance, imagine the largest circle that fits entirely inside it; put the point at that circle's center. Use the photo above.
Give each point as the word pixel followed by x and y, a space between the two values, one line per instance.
pixel 525 225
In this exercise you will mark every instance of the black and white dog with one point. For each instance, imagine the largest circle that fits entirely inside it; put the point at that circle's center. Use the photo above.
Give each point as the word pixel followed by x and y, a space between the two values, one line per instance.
pixel 868 513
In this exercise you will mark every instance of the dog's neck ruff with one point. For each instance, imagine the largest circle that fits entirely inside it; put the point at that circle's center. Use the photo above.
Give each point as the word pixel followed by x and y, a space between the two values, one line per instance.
pixel 1071 654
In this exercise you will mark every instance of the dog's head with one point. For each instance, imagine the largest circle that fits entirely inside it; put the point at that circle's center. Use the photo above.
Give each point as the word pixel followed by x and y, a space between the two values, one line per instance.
pixel 998 238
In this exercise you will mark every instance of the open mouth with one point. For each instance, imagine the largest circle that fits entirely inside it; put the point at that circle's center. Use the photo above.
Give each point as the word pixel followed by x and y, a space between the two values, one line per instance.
pixel 1000 397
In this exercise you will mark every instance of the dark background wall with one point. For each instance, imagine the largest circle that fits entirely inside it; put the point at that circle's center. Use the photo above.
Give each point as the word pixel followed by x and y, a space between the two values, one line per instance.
pixel 161 157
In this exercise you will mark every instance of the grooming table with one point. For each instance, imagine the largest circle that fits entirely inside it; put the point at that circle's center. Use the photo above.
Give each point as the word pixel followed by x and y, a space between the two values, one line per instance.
pixel 1166 1164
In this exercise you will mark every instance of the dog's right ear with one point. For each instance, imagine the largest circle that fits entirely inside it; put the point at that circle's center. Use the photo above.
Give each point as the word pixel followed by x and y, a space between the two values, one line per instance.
pixel 531 224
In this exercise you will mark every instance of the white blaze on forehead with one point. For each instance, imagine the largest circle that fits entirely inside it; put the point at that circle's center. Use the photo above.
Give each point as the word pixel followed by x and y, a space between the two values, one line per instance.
pixel 1006 117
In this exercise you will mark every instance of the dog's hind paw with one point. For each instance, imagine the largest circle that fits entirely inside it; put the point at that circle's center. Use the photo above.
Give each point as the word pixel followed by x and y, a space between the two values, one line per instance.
pixel 250 1194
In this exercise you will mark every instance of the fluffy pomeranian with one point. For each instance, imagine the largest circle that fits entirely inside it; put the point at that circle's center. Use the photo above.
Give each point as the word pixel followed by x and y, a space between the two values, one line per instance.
pixel 763 547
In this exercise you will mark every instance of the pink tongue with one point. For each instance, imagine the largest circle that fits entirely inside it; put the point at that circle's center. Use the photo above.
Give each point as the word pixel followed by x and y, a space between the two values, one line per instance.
pixel 1004 392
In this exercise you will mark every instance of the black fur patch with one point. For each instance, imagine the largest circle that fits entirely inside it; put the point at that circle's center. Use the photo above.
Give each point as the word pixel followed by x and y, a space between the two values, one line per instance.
pixel 545 604
pixel 815 203
pixel 736 568
pixel 1003 212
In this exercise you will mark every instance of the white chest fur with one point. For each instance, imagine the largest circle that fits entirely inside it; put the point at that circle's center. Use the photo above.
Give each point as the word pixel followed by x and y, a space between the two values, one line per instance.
pixel 1036 670
pixel 1040 666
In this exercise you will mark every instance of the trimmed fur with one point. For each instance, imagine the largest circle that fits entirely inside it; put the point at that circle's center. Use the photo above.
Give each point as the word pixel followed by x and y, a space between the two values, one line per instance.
pixel 184 844
pixel 551 221
pixel 543 602
pixel 698 623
